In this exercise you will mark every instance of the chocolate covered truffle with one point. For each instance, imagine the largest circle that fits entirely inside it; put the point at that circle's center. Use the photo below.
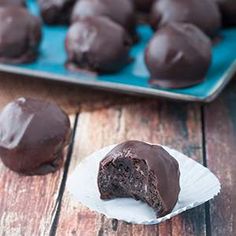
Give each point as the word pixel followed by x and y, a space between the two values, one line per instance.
pixel 228 10
pixel 120 11
pixel 202 13
pixel 141 171
pixel 178 55
pixel 19 3
pixel 97 44
pixel 33 135
pixel 56 12
pixel 20 34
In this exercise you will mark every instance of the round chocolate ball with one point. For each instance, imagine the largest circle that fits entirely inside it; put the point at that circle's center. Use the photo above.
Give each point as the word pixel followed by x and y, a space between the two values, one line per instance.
pixel 228 10
pixel 178 55
pixel 97 44
pixel 204 14
pixel 120 11
pixel 33 135
pixel 20 34
pixel 19 3
pixel 56 12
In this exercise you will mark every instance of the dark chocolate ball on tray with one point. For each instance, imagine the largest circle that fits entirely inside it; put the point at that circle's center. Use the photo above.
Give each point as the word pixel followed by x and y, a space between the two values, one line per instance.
pixel 120 11
pixel 97 44
pixel 56 12
pixel 178 55
pixel 141 171
pixel 204 14
pixel 20 34
pixel 33 135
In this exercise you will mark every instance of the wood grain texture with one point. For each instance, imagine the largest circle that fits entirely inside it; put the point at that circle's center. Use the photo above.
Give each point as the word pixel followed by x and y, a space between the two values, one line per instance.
pixel 172 124
pixel 68 96
pixel 220 128
pixel 28 204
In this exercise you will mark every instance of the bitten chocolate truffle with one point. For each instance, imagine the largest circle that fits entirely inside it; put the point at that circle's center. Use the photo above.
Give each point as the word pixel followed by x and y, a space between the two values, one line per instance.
pixel 19 3
pixel 20 34
pixel 56 12
pixel 228 10
pixel 143 172
pixel 178 55
pixel 33 135
pixel 204 14
pixel 120 11
pixel 97 44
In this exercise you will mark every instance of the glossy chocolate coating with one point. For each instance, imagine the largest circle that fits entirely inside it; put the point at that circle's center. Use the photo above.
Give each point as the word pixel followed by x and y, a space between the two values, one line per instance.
pixel 202 13
pixel 228 11
pixel 120 11
pixel 178 55
pixel 97 44
pixel 56 12
pixel 159 163
pixel 19 3
pixel 33 134
pixel 20 34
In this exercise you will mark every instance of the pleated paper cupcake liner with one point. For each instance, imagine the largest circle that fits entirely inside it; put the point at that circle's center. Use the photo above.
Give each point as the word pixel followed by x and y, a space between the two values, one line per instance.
pixel 198 185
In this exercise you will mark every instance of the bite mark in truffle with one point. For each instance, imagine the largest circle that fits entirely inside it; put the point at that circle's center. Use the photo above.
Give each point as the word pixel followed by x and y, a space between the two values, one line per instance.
pixel 33 135
pixel 141 171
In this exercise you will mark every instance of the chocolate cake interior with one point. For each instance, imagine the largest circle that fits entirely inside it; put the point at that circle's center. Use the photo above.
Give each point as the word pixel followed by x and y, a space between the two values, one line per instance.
pixel 130 178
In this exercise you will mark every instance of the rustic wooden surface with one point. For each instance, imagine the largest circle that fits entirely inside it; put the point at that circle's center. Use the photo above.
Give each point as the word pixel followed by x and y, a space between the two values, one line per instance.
pixel 28 204
pixel 41 205
pixel 220 129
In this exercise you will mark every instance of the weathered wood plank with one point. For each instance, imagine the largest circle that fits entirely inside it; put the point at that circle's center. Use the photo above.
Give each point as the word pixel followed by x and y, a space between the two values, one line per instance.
pixel 173 124
pixel 68 96
pixel 28 204
pixel 220 128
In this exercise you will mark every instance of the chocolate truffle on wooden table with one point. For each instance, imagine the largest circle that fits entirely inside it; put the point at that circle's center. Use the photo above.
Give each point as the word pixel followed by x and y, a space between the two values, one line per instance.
pixel 202 13
pixel 228 10
pixel 141 171
pixel 120 11
pixel 97 44
pixel 20 3
pixel 178 55
pixel 56 12
pixel 33 135
pixel 20 34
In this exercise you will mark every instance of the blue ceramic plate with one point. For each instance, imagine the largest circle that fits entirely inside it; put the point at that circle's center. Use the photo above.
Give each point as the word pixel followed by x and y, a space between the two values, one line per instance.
pixel 134 78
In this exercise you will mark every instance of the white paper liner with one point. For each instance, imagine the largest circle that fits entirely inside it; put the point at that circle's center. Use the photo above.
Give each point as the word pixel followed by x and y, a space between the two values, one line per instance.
pixel 197 183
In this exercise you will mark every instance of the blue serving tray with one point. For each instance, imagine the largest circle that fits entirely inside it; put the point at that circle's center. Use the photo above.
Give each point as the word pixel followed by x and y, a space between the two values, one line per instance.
pixel 133 78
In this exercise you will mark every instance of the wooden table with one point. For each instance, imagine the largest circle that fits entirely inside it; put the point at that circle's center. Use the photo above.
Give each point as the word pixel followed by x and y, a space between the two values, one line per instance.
pixel 32 206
